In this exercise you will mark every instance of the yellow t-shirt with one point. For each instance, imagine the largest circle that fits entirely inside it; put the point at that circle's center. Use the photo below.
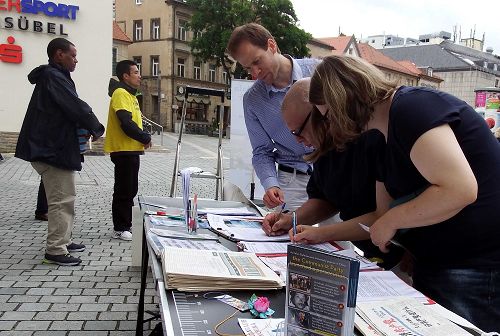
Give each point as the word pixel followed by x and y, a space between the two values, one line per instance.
pixel 116 140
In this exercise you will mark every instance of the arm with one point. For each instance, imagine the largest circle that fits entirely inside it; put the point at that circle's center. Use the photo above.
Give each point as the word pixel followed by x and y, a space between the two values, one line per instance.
pixel 131 129
pixel 438 157
pixel 262 148
pixel 347 230
pixel 311 212
pixel 75 109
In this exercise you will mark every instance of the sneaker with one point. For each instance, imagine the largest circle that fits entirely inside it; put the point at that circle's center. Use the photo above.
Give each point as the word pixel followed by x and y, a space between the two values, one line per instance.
pixel 123 235
pixel 42 217
pixel 63 260
pixel 73 247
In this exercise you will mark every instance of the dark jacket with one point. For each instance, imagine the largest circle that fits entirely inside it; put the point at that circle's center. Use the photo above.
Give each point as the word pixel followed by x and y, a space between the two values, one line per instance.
pixel 49 131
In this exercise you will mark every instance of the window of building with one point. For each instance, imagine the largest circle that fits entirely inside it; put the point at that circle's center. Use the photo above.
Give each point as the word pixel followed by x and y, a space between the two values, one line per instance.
pixel 155 29
pixel 211 73
pixel 180 67
pixel 138 60
pixel 138 2
pixel 497 82
pixel 181 30
pixel 197 70
pixel 137 30
pixel 196 111
pixel 113 62
pixel 225 77
pixel 155 65
pixel 495 67
pixel 198 34
pixel 429 71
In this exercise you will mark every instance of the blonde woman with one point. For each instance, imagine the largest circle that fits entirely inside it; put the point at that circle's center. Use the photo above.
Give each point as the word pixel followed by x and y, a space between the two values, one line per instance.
pixel 443 171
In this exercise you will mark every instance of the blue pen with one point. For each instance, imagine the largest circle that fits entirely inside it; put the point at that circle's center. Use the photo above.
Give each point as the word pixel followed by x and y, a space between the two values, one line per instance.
pixel 282 208
pixel 294 223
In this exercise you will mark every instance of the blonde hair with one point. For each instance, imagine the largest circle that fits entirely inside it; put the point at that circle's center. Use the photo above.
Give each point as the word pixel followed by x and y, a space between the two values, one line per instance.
pixel 350 87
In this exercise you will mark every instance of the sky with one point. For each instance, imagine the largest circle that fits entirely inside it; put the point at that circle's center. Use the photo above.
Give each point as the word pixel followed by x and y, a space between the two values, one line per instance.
pixel 322 18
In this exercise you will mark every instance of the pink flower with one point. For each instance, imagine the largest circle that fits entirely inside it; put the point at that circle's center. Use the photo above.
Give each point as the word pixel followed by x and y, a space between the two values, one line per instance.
pixel 261 304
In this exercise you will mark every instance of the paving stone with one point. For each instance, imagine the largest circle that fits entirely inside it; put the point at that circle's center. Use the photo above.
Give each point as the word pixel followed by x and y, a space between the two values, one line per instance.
pixel 66 325
pixel 24 298
pixel 33 325
pixel 17 316
pixel 40 291
pixel 7 325
pixel 34 307
pixel 94 307
pixel 100 325
pixel 51 316
pixel 83 299
pixel 82 316
pixel 50 333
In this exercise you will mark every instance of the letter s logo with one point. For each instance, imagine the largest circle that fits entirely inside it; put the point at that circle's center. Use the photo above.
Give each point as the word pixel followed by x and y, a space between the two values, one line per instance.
pixel 11 53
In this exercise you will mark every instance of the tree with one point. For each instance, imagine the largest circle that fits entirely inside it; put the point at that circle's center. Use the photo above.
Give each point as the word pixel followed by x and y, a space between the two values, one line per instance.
pixel 214 20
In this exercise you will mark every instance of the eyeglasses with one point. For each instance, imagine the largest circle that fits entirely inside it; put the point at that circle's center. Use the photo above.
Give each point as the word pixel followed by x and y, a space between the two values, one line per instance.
pixel 301 128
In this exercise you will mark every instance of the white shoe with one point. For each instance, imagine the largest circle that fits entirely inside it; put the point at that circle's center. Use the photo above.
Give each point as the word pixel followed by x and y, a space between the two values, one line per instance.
pixel 123 235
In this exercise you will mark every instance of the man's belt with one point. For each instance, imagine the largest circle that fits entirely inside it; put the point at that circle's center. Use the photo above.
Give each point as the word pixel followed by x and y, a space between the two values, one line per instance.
pixel 291 170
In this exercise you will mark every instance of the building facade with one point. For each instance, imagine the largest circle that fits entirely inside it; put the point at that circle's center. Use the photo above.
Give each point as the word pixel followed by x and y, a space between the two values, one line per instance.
pixel 462 69
pixel 161 49
pixel 25 32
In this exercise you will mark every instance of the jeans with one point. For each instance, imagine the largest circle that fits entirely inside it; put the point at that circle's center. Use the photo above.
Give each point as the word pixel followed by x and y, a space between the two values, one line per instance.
pixel 60 190
pixel 125 189
pixel 470 293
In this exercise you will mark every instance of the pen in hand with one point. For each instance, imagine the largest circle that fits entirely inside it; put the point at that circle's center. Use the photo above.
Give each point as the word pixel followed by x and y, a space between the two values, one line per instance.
pixel 294 224
pixel 281 211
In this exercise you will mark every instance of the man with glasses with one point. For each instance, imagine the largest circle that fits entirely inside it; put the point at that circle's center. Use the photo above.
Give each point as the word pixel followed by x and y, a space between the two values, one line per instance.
pixel 257 51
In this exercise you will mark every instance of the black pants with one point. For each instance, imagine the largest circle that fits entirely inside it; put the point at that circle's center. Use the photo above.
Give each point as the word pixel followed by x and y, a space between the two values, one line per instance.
pixel 42 208
pixel 126 185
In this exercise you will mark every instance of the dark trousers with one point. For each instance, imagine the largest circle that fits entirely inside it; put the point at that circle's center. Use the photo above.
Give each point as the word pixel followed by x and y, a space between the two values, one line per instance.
pixel 126 186
pixel 42 207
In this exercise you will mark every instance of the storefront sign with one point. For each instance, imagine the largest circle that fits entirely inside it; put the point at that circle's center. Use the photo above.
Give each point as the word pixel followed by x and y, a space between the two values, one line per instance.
pixel 48 8
pixel 11 53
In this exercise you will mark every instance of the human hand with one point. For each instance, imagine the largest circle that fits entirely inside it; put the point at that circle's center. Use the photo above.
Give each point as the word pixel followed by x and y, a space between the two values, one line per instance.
pixel 273 197
pixel 381 233
pixel 275 224
pixel 307 234
pixel 148 145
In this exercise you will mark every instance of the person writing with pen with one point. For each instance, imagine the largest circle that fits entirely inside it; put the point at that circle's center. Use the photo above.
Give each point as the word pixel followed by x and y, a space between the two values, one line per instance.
pixel 343 182
pixel 442 168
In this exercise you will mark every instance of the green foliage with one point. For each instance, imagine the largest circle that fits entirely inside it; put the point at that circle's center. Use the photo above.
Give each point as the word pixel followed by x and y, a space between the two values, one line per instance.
pixel 216 19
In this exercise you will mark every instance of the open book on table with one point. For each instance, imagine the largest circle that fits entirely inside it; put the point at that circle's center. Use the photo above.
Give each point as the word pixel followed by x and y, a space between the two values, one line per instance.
pixel 205 270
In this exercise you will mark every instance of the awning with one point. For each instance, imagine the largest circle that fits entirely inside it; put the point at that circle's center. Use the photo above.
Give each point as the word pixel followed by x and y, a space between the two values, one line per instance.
pixel 194 99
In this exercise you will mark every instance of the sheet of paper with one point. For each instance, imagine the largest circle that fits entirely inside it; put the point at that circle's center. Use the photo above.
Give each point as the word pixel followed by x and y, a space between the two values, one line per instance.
pixel 406 316
pixel 181 234
pixel 242 230
pixel 277 264
pixel 241 211
pixel 190 243
pixel 365 264
pixel 262 327
pixel 380 285
pixel 278 247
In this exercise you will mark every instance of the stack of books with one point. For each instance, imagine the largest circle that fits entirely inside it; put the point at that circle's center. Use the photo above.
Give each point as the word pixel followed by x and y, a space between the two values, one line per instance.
pixel 206 270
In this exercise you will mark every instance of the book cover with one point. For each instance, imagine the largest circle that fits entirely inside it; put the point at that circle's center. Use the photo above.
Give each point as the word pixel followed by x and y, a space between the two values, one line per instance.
pixel 321 292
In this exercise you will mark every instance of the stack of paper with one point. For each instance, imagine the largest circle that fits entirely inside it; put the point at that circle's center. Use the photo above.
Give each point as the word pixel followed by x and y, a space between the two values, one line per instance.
pixel 241 229
pixel 202 270
pixel 403 316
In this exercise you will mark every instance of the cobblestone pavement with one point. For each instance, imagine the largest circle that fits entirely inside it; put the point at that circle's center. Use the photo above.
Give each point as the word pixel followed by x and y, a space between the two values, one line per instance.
pixel 100 296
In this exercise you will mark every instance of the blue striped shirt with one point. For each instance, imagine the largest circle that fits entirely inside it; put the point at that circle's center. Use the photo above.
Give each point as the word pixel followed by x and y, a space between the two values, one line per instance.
pixel 271 139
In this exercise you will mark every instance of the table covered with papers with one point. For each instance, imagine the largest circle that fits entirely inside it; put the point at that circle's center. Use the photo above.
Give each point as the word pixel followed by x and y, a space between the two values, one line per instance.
pixel 195 267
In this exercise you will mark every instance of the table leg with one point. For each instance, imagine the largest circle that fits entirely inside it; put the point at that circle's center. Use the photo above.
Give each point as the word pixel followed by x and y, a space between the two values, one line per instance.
pixel 144 273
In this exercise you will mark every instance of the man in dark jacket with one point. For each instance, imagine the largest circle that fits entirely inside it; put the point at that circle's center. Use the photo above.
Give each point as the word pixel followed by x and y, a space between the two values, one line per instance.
pixel 49 140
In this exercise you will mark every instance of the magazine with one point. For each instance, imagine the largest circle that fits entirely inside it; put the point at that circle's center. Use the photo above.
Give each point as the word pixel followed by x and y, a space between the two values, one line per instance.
pixel 321 292
pixel 206 270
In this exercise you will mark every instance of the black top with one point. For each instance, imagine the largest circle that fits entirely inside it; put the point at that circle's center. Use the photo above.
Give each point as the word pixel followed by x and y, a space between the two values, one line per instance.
pixel 470 238
pixel 49 131
pixel 347 179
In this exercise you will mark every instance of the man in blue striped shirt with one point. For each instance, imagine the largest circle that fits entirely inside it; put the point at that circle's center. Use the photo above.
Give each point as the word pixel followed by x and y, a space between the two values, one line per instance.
pixel 272 142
